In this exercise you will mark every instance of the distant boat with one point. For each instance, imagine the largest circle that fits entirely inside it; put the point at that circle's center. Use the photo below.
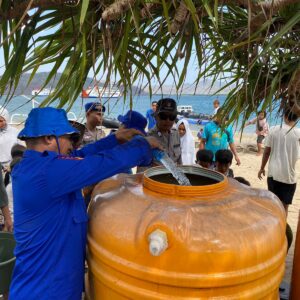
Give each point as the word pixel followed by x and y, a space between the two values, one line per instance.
pixel 182 109
pixel 187 112
pixel 99 92
pixel 42 92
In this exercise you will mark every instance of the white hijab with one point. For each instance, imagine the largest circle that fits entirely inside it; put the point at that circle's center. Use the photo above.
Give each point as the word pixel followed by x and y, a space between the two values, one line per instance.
pixel 187 144
pixel 4 114
pixel 8 138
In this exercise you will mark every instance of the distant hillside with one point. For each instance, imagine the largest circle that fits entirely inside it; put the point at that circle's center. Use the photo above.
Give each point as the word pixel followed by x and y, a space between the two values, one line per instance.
pixel 203 88
pixel 40 78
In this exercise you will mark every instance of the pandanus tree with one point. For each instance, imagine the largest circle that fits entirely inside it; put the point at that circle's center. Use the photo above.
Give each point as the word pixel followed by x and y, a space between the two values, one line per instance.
pixel 254 45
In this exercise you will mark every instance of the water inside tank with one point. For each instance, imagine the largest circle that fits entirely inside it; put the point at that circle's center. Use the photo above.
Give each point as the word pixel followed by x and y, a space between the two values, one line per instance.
pixel 196 180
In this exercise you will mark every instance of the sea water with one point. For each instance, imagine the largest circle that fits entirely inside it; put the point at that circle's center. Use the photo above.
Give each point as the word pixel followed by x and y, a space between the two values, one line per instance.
pixel 177 173
pixel 22 105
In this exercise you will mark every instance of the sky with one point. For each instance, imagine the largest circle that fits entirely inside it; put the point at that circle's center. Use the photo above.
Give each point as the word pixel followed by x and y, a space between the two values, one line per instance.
pixel 191 74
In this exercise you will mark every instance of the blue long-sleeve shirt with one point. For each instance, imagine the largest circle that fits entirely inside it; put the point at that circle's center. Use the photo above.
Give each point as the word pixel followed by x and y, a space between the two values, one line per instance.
pixel 50 216
pixel 151 119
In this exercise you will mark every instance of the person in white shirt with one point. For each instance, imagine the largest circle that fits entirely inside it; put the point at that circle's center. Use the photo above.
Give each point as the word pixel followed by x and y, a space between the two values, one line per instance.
pixel 187 142
pixel 8 137
pixel 216 104
pixel 282 149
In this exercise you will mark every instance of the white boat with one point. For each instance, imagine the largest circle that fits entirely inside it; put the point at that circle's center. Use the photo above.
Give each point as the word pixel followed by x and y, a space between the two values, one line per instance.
pixel 99 92
pixel 184 109
pixel 187 112
pixel 42 92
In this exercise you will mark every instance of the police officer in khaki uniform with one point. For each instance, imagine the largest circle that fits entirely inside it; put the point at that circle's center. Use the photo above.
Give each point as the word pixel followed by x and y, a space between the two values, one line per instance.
pixel 165 115
pixel 94 115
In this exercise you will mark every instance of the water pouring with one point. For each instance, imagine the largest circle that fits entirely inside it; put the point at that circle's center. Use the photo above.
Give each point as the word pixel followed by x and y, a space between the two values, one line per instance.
pixel 177 173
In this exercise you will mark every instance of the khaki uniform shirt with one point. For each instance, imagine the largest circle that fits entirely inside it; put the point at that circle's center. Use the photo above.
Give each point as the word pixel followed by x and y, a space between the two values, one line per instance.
pixel 91 137
pixel 170 142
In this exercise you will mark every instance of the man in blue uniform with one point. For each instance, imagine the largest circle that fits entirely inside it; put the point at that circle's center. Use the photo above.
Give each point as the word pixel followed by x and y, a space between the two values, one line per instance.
pixel 150 115
pixel 50 215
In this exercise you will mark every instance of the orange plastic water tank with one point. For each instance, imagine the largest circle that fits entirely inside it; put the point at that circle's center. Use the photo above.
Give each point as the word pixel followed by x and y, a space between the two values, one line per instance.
pixel 217 239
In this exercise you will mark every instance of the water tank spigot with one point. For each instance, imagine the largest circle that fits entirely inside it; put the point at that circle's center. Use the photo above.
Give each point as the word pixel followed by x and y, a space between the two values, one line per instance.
pixel 158 242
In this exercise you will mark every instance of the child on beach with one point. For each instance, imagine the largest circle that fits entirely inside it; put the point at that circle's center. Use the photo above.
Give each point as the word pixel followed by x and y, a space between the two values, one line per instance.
pixel 199 134
pixel 204 158
pixel 262 129
pixel 223 162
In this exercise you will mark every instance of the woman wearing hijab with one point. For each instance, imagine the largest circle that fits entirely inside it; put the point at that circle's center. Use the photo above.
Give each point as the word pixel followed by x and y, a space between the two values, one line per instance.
pixel 187 142
pixel 8 137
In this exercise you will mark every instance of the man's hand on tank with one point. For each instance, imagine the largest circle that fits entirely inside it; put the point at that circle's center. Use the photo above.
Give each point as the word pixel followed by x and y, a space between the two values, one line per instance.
pixel 124 135
pixel 154 143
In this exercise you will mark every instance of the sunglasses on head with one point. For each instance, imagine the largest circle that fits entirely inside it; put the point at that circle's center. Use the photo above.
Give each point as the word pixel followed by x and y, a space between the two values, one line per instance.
pixel 166 116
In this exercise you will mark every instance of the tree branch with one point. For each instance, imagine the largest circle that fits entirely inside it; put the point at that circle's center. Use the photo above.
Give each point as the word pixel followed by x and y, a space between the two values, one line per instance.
pixel 17 10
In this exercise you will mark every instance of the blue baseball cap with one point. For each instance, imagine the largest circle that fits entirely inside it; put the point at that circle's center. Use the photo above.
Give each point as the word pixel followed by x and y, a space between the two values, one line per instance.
pixel 94 106
pixel 45 122
pixel 134 119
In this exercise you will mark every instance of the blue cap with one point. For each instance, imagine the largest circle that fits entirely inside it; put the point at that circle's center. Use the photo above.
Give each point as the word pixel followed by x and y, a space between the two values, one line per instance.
pixel 94 106
pixel 46 121
pixel 134 119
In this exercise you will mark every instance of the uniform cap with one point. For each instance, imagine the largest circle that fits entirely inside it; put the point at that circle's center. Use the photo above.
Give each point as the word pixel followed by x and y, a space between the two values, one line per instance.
pixel 134 119
pixel 166 105
pixel 94 106
pixel 45 122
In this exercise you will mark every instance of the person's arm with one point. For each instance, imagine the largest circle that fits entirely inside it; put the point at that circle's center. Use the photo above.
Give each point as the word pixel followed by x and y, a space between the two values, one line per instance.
pixel 230 139
pixel 264 161
pixel 65 175
pixel 204 138
pixel 251 122
pixel 234 152
pixel 267 128
pixel 3 193
pixel 109 142
pixel 90 149
pixel 202 144
pixel 8 223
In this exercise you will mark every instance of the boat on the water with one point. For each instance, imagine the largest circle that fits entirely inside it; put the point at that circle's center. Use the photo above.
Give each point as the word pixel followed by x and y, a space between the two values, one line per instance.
pixel 42 92
pixel 187 112
pixel 182 109
pixel 100 92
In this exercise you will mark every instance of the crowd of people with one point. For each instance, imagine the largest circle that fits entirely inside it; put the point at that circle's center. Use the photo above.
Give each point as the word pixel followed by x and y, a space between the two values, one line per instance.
pixel 51 160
